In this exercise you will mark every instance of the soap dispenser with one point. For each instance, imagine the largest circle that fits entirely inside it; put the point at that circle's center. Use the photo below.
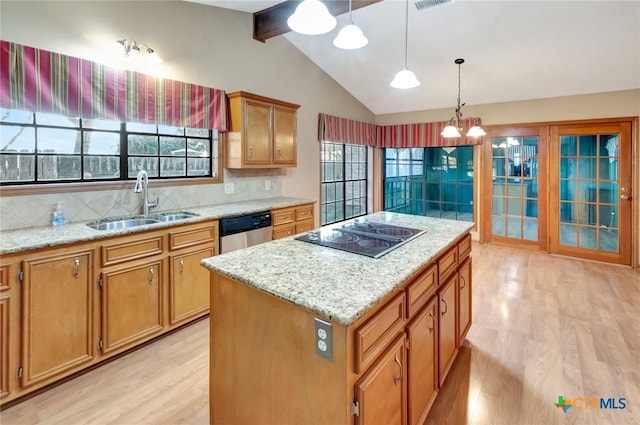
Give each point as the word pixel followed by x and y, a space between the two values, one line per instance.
pixel 57 216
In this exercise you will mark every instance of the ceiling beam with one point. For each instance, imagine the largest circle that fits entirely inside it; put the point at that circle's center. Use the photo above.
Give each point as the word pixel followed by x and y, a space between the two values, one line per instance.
pixel 271 22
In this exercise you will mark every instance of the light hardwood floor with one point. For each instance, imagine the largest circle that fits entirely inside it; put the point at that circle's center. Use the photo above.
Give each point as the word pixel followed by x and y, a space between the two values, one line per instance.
pixel 543 326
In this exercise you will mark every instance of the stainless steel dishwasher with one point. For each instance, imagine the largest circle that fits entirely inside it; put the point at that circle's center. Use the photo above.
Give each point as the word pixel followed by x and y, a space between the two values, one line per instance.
pixel 245 230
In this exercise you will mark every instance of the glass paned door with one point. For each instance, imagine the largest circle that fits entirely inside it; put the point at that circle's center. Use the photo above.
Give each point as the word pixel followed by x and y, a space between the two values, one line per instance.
pixel 515 165
pixel 591 167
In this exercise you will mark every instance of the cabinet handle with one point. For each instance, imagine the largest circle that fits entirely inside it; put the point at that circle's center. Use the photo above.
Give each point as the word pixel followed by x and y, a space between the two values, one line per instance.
pixel 279 155
pixel 399 378
pixel 433 322
pixel 445 307
pixel 181 265
pixel 76 273
pixel 464 283
pixel 251 152
pixel 150 275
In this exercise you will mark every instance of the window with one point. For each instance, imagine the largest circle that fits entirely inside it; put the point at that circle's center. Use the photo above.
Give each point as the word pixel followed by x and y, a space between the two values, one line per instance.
pixel 434 182
pixel 47 148
pixel 344 181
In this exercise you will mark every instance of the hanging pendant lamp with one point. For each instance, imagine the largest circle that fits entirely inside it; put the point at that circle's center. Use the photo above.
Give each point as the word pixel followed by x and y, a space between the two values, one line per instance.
pixel 405 79
pixel 454 128
pixel 350 36
pixel 311 18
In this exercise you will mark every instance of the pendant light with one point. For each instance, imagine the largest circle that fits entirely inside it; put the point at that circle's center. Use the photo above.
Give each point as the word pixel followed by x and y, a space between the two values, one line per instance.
pixel 454 128
pixel 350 36
pixel 311 18
pixel 405 79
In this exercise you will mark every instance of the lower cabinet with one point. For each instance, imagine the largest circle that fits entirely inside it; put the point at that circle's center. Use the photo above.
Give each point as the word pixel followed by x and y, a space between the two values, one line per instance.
pixel 422 364
pixel 292 220
pixel 447 334
pixel 131 305
pixel 189 286
pixel 6 330
pixel 464 299
pixel 382 391
pixel 57 315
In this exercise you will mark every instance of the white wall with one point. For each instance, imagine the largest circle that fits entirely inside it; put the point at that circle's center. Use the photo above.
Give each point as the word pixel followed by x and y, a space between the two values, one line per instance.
pixel 199 44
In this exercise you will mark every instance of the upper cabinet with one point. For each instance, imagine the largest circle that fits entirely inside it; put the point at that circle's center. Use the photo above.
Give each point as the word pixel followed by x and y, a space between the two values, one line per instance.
pixel 262 132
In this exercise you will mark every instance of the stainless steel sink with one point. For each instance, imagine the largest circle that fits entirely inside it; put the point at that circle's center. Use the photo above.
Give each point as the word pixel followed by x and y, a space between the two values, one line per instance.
pixel 122 223
pixel 174 216
pixel 128 222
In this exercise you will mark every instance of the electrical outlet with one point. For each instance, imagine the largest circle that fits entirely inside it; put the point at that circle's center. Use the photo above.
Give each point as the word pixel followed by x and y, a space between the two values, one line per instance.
pixel 267 185
pixel 324 339
pixel 228 188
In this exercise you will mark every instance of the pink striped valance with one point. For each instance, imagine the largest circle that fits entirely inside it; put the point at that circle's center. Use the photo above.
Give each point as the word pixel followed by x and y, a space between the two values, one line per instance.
pixel 421 135
pixel 41 81
pixel 343 130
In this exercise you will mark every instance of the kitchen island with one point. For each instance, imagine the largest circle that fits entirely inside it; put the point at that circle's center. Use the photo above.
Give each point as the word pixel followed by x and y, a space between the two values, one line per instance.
pixel 305 334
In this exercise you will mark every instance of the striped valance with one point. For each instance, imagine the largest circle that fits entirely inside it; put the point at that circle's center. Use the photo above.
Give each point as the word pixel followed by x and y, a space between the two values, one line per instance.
pixel 41 81
pixel 343 130
pixel 421 135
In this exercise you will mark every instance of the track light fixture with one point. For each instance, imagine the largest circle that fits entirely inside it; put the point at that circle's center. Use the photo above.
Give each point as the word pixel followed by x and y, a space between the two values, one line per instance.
pixel 133 49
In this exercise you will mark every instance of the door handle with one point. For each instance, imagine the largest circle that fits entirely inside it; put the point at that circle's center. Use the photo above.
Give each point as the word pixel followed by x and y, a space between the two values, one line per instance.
pixel 626 193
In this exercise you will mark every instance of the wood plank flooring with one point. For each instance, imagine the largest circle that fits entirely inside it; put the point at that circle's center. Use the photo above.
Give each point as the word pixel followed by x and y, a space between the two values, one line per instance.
pixel 543 327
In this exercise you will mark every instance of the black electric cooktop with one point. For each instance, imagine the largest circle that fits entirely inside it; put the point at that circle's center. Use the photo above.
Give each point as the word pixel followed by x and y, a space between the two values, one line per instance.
pixel 362 237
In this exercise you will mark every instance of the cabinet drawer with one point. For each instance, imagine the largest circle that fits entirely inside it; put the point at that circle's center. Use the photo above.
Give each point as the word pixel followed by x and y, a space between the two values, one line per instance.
pixel 421 289
pixel 372 338
pixel 283 231
pixel 447 264
pixel 305 212
pixel 4 278
pixel 181 238
pixel 304 226
pixel 464 248
pixel 282 217
pixel 132 249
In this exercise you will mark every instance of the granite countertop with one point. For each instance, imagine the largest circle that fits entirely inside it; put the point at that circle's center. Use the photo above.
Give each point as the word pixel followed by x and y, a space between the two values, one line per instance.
pixel 14 241
pixel 335 284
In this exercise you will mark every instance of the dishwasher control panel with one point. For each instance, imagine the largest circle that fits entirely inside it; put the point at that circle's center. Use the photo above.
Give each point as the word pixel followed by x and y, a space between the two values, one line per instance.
pixel 244 223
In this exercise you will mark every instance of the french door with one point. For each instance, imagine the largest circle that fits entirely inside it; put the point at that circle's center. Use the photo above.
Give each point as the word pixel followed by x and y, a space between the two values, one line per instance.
pixel 590 196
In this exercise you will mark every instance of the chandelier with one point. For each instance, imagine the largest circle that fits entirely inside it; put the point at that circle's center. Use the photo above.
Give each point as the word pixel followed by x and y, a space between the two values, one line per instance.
pixel 454 128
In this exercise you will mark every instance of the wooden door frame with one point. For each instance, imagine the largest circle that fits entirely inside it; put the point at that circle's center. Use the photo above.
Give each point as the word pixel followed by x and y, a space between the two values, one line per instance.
pixel 495 130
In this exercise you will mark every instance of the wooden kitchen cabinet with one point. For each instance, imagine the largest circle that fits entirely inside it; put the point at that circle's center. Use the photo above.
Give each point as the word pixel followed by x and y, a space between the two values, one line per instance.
pixel 464 299
pixel 293 220
pixel 422 363
pixel 447 330
pixel 57 315
pixel 131 305
pixel 5 331
pixel 382 391
pixel 262 132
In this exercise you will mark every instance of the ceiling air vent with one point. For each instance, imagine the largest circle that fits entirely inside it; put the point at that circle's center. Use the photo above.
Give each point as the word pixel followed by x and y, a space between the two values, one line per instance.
pixel 423 4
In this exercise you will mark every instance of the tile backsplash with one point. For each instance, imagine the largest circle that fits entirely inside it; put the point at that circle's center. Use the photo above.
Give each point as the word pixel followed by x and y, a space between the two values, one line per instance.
pixel 17 212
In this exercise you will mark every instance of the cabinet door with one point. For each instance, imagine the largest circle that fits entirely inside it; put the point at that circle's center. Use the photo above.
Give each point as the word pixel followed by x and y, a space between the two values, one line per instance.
pixel 189 286
pixel 422 364
pixel 258 133
pixel 57 315
pixel 131 305
pixel 5 331
pixel 381 392
pixel 284 136
pixel 447 334
pixel 464 299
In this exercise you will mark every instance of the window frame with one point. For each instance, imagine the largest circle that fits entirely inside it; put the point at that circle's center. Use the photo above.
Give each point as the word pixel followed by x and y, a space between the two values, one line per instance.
pixel 14 188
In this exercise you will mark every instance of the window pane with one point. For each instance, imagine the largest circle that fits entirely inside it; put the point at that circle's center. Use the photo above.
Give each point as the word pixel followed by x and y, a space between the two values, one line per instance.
pixel 17 168
pixel 197 132
pixel 143 145
pixel 57 120
pixel 198 147
pixel 53 140
pixel 172 167
pixel 101 167
pixel 137 163
pixel 174 146
pixel 198 166
pixel 138 127
pixel 101 124
pixel 17 139
pixel 175 131
pixel 58 167
pixel 101 143
pixel 15 116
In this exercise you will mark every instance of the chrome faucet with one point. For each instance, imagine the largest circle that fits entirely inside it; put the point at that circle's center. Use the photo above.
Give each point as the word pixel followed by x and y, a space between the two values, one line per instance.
pixel 142 185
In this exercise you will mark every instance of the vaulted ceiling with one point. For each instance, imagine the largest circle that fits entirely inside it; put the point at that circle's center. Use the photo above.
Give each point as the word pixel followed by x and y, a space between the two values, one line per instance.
pixel 513 50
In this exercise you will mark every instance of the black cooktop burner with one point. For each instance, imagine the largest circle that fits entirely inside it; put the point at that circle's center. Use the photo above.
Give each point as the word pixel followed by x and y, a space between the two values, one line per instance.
pixel 363 237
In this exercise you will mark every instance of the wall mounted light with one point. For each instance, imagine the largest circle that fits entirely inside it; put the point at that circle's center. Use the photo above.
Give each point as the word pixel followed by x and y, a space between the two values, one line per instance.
pixel 311 18
pixel 350 36
pixel 405 79
pixel 134 50
pixel 454 129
